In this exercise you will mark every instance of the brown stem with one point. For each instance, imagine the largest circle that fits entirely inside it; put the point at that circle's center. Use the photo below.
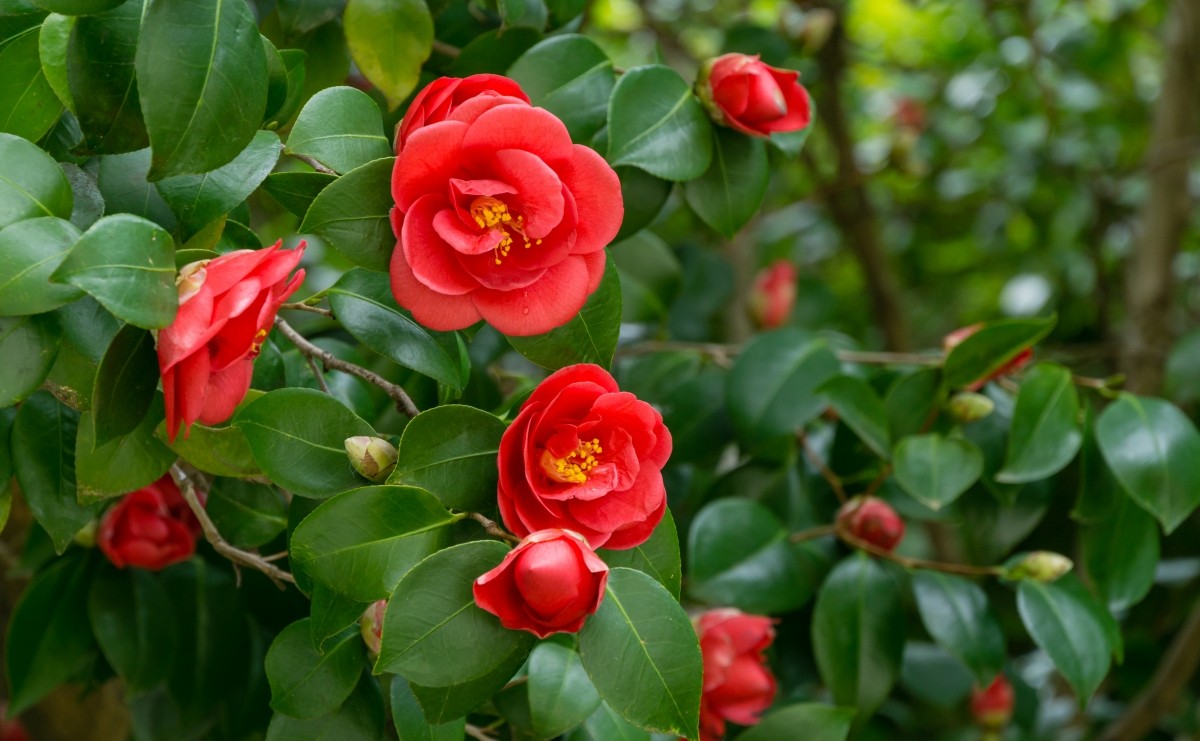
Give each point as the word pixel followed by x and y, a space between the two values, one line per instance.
pixel 301 306
pixel 312 365
pixel 448 50
pixel 219 544
pixel 830 477
pixel 813 533
pixel 403 403
pixel 313 163
pixel 493 529
pixel 477 733
pixel 917 563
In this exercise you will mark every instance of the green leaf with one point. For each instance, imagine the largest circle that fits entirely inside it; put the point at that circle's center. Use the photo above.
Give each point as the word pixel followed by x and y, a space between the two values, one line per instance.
pixel 740 554
pixel 122 182
pixel 306 684
pixel 133 620
pixel 78 7
pixel 29 345
pixel 1064 623
pixel 1120 553
pixel 352 215
pixel 123 464
pixel 53 42
pixel 911 399
pixel 1152 449
pixel 809 721
pixel 361 542
pixel 650 276
pixel 295 191
pixel 935 469
pixel 772 387
pixel 223 451
pixel 32 184
pixel 125 383
pixel 443 704
pixel 642 655
pixel 605 725
pixel 956 615
pixel 433 632
pixel 1099 491
pixel 655 123
pixel 860 408
pixel 301 16
pixel 202 77
pixel 6 464
pixel 993 347
pixel 494 51
pixel 297 437
pixel 100 78
pixel 451 452
pixel 86 330
pixel 571 77
pixel 43 449
pixel 591 337
pixel 1045 432
pixel 198 200
pixel 389 41
pixel 89 204
pixel 858 633
pixel 360 718
pixel 643 197
pixel 247 515
pixel 730 193
pixel 331 614
pixel 28 105
pixel 30 251
pixel 362 302
pixel 522 13
pixel 657 557
pixel 49 640
pixel 410 720
pixel 560 694
pixel 341 128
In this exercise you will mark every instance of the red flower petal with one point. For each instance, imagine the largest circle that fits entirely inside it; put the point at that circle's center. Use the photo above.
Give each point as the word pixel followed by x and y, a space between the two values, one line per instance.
pixel 597 192
pixel 430 158
pixel 550 302
pixel 434 310
pixel 431 260
pixel 534 130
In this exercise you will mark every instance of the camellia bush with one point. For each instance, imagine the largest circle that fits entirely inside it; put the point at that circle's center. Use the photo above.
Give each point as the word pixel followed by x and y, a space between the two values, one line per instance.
pixel 350 391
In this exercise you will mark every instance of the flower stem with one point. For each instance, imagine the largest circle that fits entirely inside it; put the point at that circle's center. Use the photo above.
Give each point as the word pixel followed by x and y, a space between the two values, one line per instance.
pixel 492 528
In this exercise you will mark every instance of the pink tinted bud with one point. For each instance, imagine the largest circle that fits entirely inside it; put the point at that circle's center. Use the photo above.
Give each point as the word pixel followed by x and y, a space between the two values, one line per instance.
pixel 774 294
pixel 992 707
pixel 371 623
pixel 872 520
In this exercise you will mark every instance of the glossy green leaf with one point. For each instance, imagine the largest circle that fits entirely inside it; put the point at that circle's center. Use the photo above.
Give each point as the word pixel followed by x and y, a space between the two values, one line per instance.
pixel 361 542
pixel 297 436
pixel 202 77
pixel 53 41
pixel 433 633
pixel 1064 623
pixel 340 127
pixel 28 105
pixel 360 718
pixel 494 51
pixel 332 613
pixel 30 251
pixel 643 197
pixel 858 633
pixel 993 347
pixel 560 694
pixel 911 400
pixel 29 345
pixel 352 215
pixel 389 40
pixel 860 409
pixel 302 16
pixel 78 7
pixel 657 557
pixel 33 184
pixel 444 704
pixel 740 554
pixel 123 464
pixel 451 452
pixel 222 451
pixel 295 64
pixel 362 302
pixel 246 514
pixel 728 195
pixel 656 123
pixel 306 684
pixel 606 725
pixel 131 617
pixel 591 337
pixel 86 330
pixel 198 200
pixel 1152 449
pixel 809 721
pixel 125 383
pixel 295 191
pixel 101 82
pixel 89 203
pixel 1045 432
pixel 1120 553
pixel 956 615
pixel 641 638
pixel 935 469
pixel 122 182
pixel 650 276
pixel 410 720
pixel 571 77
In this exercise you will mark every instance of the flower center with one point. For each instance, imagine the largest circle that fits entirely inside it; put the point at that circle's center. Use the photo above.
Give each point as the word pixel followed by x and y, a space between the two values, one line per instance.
pixel 493 213
pixel 257 343
pixel 573 468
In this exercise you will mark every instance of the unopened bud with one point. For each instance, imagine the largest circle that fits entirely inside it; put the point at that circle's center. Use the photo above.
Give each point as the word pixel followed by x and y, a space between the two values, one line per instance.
pixel 873 520
pixel 371 624
pixel 86 536
pixel 968 406
pixel 1039 566
pixel 190 279
pixel 373 457
pixel 992 708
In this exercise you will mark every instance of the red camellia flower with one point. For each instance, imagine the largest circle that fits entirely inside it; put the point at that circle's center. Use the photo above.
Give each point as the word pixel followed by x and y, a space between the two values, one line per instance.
pixel 872 520
pixel 548 584
pixel 443 96
pixel 955 338
pixel 498 215
pixel 774 294
pixel 585 456
pixel 992 707
pixel 738 685
pixel 227 306
pixel 757 99
pixel 152 528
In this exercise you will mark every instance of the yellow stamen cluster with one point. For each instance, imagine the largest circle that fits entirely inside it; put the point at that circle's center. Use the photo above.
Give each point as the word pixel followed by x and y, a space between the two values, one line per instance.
pixel 575 466
pixel 492 213
pixel 256 344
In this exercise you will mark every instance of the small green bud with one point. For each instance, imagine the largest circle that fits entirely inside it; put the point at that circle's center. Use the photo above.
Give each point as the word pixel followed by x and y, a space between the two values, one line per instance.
pixel 968 406
pixel 86 536
pixel 1039 566
pixel 373 457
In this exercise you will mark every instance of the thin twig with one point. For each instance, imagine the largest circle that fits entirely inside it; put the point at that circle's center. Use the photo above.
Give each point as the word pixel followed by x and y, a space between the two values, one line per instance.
pixel 720 352
pixel 403 402
pixel 878 480
pixel 275 556
pixel 830 477
pixel 448 50
pixel 917 563
pixel 478 733
pixel 813 533
pixel 219 544
pixel 301 306
pixel 863 357
pixel 317 373
pixel 492 528
pixel 312 162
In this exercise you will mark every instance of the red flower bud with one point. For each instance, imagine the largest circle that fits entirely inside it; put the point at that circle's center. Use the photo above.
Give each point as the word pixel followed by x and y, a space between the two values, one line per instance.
pixel 992 708
pixel 371 624
pixel 11 728
pixel 548 584
pixel 738 684
pixel 872 520
pixel 151 528
pixel 773 294
pixel 757 99
pixel 955 338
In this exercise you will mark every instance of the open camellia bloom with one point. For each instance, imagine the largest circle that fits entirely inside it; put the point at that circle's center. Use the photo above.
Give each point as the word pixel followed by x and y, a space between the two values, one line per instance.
pixel 548 584
pixel 151 528
pixel 757 99
pixel 227 306
pixel 585 456
pixel 499 216
pixel 443 96
pixel 738 684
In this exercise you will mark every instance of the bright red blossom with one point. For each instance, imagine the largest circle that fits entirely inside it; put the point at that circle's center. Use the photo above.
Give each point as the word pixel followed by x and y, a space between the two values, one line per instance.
pixel 151 528
pixel 774 294
pixel 498 216
pixel 227 306
pixel 872 520
pixel 443 96
pixel 738 684
pixel 992 707
pixel 754 98
pixel 955 338
pixel 548 584
pixel 585 456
